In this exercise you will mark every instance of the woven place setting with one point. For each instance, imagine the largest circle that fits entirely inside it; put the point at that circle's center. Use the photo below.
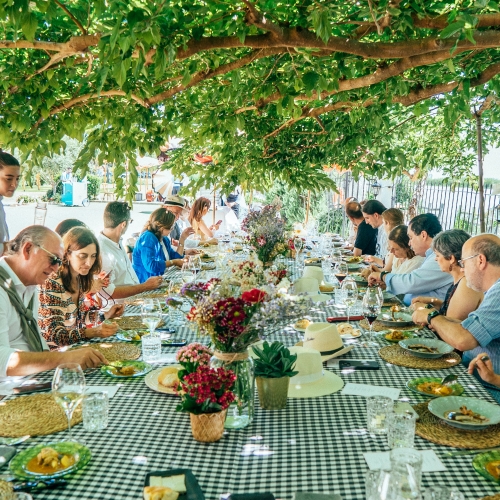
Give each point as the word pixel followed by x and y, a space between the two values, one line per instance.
pixel 379 327
pixel 153 294
pixel 131 322
pixel 34 415
pixel 396 355
pixel 435 430
pixel 115 351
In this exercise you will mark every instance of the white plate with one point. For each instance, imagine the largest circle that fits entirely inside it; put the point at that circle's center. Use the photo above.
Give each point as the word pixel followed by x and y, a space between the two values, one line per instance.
pixel 151 380
pixel 351 336
pixel 301 329
pixel 329 293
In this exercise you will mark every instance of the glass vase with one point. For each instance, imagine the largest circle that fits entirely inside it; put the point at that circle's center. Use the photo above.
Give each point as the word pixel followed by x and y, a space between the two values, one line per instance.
pixel 240 413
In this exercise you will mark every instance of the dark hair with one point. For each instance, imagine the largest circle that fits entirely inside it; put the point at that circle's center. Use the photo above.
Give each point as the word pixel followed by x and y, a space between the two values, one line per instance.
pixel 76 239
pixel 353 209
pixel 489 246
pixel 394 217
pixel 32 234
pixel 64 226
pixel 399 235
pixel 450 243
pixel 7 160
pixel 373 207
pixel 197 209
pixel 158 220
pixel 115 213
pixel 425 222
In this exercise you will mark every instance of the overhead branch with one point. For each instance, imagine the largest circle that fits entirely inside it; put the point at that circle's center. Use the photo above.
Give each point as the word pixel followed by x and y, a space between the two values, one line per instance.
pixel 440 22
pixel 255 18
pixel 71 16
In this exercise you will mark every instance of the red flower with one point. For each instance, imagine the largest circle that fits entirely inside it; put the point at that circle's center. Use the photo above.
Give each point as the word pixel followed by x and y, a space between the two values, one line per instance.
pixel 254 296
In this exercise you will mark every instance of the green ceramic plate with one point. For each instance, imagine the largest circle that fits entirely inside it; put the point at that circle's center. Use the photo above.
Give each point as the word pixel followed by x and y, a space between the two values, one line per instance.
pixel 141 368
pixel 131 335
pixel 412 385
pixel 441 347
pixel 480 462
pixel 19 462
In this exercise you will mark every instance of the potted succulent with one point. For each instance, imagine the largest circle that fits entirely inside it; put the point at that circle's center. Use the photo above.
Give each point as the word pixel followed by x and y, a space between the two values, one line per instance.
pixel 274 366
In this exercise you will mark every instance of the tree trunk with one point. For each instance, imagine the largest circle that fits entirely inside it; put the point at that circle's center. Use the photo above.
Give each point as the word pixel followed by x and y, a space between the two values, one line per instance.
pixel 482 224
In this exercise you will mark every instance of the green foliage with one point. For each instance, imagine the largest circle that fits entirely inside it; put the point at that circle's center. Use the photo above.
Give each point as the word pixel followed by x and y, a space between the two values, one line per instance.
pixel 93 186
pixel 274 361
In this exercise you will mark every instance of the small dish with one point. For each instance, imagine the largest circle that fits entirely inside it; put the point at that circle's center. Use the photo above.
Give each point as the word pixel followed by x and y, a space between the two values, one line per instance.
pixel 141 367
pixel 327 291
pixel 151 380
pixel 402 319
pixel 441 347
pixel 299 328
pixel 406 335
pixel 356 333
pixel 482 464
pixel 457 389
pixel 193 489
pixel 131 335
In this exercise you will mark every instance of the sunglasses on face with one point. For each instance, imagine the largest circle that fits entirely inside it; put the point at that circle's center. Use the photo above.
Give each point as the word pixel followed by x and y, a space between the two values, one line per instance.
pixel 54 259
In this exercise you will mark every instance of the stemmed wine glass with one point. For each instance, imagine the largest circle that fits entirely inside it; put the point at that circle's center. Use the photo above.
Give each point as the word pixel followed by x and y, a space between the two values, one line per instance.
pixel 372 305
pixel 349 294
pixel 187 274
pixel 297 244
pixel 195 265
pixel 342 271
pixel 151 314
pixel 68 389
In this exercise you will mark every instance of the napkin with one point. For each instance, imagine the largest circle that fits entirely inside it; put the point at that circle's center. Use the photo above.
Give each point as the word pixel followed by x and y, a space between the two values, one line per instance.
pixel 110 389
pixel 370 390
pixel 306 285
pixel 382 460
pixel 313 272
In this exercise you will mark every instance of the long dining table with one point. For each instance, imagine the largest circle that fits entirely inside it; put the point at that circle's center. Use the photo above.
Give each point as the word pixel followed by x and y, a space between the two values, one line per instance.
pixel 314 445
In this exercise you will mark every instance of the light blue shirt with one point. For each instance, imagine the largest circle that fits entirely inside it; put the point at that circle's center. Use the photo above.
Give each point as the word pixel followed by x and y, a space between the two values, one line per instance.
pixel 382 242
pixel 428 280
pixel 484 326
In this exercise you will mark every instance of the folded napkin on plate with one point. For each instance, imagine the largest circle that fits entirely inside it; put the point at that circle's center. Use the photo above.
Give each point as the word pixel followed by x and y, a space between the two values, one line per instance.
pixel 341 319
pixel 306 285
pixel 314 272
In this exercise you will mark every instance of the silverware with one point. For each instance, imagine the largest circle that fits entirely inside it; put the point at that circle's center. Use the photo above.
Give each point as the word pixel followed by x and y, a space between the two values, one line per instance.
pixel 449 379
pixel 13 441
pixel 469 452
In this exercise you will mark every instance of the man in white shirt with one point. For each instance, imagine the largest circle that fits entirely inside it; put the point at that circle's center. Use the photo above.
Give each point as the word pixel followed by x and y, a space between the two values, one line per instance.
pixel 33 255
pixel 10 173
pixel 123 279
pixel 372 212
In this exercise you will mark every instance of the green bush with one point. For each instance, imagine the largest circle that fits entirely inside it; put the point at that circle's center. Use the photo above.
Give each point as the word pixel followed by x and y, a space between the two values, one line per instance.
pixel 93 186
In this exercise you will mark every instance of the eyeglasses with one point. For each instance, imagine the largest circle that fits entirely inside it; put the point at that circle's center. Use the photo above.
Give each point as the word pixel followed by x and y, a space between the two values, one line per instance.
pixel 129 221
pixel 461 262
pixel 54 259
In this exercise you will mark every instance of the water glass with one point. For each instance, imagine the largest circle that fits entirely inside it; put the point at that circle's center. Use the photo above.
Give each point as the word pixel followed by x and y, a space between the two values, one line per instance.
pixel 339 297
pixel 407 462
pixel 401 432
pixel 95 411
pixel 151 348
pixel 378 409
pixel 443 493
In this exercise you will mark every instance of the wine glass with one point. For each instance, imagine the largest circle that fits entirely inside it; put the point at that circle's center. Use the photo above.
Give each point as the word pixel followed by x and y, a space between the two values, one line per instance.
pixel 372 305
pixel 195 265
pixel 298 244
pixel 350 294
pixel 175 313
pixel 187 274
pixel 151 314
pixel 341 271
pixel 68 389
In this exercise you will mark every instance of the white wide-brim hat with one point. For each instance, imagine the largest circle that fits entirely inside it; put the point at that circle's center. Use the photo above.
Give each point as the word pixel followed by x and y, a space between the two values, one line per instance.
pixel 325 338
pixel 314 272
pixel 306 285
pixel 312 380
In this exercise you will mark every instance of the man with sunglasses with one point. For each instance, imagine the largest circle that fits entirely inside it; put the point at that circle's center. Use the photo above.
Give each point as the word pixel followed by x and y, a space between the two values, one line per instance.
pixel 31 257
pixel 479 333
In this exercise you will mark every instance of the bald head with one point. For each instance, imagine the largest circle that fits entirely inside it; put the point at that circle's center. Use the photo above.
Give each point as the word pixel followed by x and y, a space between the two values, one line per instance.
pixel 481 261
pixel 37 235
pixel 353 210
pixel 487 245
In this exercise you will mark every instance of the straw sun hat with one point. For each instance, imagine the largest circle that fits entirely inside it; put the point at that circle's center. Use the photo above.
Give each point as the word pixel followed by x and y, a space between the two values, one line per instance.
pixel 325 338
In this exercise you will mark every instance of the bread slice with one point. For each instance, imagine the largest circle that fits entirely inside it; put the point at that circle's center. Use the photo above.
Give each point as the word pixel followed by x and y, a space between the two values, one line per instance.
pixel 176 483
pixel 168 377
pixel 160 493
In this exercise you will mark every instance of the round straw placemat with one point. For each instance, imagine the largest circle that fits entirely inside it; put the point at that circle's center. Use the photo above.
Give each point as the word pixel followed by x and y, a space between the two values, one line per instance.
pixel 115 351
pixel 153 294
pixel 396 355
pixel 437 431
pixel 379 327
pixel 131 323
pixel 491 497
pixel 34 415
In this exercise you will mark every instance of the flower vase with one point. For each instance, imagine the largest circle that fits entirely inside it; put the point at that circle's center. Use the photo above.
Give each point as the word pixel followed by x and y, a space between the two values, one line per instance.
pixel 240 413
pixel 273 392
pixel 208 427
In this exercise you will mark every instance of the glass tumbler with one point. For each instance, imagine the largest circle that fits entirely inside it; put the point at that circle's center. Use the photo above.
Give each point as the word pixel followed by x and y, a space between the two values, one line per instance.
pixel 406 466
pixel 151 348
pixel 443 493
pixel 378 409
pixel 95 411
pixel 401 433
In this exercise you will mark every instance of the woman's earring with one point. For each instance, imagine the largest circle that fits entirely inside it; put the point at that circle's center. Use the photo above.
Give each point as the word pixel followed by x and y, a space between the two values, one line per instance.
pixel 450 268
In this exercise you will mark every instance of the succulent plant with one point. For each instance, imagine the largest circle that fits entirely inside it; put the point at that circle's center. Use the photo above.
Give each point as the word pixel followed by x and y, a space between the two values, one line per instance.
pixel 274 361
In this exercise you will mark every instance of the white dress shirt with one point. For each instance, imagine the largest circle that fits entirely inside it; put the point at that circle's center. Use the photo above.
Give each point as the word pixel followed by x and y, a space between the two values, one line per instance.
pixel 11 336
pixel 382 242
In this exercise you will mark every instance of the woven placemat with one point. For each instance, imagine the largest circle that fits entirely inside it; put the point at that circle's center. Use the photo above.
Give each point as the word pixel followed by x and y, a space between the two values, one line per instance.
pixel 437 431
pixel 34 415
pixel 138 299
pixel 491 497
pixel 131 323
pixel 395 355
pixel 378 327
pixel 115 351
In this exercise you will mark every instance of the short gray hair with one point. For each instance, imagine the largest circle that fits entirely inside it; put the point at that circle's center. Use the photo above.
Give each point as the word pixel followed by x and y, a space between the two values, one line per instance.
pixel 449 243
pixel 30 234
pixel 489 246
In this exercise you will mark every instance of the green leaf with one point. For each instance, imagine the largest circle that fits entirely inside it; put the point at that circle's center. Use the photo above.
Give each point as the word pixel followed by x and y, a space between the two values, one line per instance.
pixel 160 63
pixel 451 29
pixel 186 78
pixel 197 32
pixel 115 33
pixel 310 80
pixel 450 65
pixel 29 26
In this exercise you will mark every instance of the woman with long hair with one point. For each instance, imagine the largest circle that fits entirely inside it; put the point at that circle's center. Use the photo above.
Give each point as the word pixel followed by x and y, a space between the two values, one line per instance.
pixel 199 209
pixel 65 315
pixel 153 252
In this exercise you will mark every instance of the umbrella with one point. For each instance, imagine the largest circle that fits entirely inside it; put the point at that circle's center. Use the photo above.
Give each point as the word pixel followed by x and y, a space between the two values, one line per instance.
pixel 147 162
pixel 163 182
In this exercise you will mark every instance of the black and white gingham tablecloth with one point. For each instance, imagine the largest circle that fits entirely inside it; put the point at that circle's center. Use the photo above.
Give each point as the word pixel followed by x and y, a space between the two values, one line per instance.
pixel 314 445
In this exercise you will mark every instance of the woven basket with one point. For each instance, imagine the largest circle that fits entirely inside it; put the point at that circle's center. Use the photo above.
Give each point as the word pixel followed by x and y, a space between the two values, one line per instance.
pixel 7 491
pixel 208 427
pixel 396 355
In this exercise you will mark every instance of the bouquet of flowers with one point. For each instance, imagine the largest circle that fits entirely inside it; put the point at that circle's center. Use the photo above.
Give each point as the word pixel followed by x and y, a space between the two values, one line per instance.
pixel 202 389
pixel 247 274
pixel 266 233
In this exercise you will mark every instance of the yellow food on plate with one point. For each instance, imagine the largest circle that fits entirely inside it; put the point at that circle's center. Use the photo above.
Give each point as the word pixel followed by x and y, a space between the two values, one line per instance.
pixel 176 483
pixel 344 329
pixel 395 335
pixel 168 377
pixel 302 323
pixel 435 388
pixel 49 461
pixel 326 287
pixel 160 493
pixel 125 371
pixel 494 468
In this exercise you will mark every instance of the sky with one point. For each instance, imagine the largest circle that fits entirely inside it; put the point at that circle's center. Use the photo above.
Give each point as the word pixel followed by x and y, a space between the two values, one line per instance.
pixel 491 164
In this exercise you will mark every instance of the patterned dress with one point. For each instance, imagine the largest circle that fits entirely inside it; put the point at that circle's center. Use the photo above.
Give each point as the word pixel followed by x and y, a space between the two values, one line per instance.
pixel 60 320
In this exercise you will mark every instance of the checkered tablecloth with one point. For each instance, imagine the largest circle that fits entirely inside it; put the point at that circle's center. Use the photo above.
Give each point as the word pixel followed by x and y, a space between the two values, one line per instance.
pixel 314 445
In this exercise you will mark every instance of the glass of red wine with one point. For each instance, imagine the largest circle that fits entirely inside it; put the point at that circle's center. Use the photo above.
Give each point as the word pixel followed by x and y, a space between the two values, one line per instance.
pixel 341 271
pixel 372 306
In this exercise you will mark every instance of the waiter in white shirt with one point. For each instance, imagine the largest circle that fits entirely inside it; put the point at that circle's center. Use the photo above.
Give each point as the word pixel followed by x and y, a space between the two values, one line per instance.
pixel 372 212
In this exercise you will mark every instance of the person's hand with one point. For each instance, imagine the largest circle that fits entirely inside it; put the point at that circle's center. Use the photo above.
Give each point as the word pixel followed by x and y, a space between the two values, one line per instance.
pixel 185 235
pixel 178 262
pixel 175 243
pixel 98 285
pixel 153 282
pixel 115 311
pixel 422 300
pixel 484 368
pixel 102 331
pixel 214 227
pixel 420 316
pixel 192 251
pixel 414 306
pixel 366 272
pixel 85 357
pixel 374 279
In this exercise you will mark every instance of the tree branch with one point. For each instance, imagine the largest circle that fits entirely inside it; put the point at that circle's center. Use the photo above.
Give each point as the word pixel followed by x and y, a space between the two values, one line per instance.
pixel 440 22
pixel 71 16
pixel 255 18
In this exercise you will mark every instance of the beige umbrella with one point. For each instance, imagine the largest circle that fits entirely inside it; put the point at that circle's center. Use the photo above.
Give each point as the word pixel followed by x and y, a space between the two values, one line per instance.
pixel 163 182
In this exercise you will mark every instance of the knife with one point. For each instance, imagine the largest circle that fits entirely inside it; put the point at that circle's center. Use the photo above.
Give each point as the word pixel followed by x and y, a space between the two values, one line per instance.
pixel 469 452
pixel 47 483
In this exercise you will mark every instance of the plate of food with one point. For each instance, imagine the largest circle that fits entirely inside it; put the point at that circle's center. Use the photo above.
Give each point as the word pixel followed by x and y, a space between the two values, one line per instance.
pixel 396 317
pixel 164 379
pixel 313 261
pixel 488 465
pixel 301 324
pixel 426 348
pixel 465 413
pixel 131 335
pixel 173 484
pixel 326 288
pixel 126 369
pixel 208 267
pixel 432 386
pixel 397 335
pixel 205 257
pixel 353 260
pixel 347 331
pixel 46 461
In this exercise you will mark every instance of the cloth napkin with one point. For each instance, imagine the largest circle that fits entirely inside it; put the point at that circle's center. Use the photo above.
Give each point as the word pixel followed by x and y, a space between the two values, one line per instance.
pixel 370 390
pixel 110 389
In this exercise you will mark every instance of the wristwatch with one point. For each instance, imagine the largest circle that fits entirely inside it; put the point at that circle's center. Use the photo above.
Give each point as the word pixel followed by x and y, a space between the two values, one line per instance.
pixel 432 315
pixel 382 274
pixel 429 306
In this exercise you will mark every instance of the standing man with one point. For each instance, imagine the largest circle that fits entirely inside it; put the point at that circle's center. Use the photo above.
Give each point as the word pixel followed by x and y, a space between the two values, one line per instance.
pixel 366 237
pixel 10 173
pixel 372 212
pixel 123 279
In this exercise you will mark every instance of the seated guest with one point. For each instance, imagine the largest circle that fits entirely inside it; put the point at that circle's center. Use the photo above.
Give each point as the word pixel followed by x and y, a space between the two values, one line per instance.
pixel 34 254
pixel 153 252
pixel 199 209
pixel 115 262
pixel 65 310
pixel 428 279
pixel 64 226
pixel 482 363
pixel 178 206
pixel 479 333
pixel 372 212
pixel 232 203
pixel 351 238
pixel 366 237
pixel 460 300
